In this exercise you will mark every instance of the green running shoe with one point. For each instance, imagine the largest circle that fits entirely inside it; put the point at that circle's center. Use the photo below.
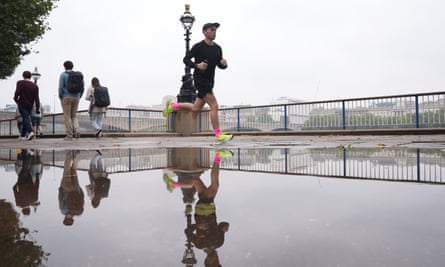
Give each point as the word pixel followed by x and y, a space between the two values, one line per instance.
pixel 171 184
pixel 224 138
pixel 168 108
pixel 224 153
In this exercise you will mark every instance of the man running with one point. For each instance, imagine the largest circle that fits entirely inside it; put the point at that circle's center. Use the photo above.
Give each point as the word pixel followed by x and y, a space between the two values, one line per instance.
pixel 207 55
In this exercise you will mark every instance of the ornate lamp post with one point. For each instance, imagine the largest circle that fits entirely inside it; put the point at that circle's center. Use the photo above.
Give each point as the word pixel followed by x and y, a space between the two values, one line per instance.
pixel 187 92
pixel 35 75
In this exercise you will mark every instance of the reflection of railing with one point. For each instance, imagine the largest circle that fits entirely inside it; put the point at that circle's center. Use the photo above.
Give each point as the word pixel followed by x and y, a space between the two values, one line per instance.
pixel 390 112
pixel 393 164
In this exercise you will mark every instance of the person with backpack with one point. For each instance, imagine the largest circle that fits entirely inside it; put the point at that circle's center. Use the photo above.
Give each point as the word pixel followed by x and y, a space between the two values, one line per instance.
pixel 99 101
pixel 71 88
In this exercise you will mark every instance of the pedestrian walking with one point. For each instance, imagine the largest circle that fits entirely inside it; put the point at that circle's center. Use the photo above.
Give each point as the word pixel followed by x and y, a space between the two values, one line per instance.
pixel 36 119
pixel 71 88
pixel 99 101
pixel 26 95
pixel 206 55
pixel 19 119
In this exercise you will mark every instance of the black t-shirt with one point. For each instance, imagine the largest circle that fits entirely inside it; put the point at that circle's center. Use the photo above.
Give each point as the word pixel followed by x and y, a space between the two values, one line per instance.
pixel 200 52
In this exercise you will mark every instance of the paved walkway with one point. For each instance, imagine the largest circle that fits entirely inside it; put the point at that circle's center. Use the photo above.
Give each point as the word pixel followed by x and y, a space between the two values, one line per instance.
pixel 243 141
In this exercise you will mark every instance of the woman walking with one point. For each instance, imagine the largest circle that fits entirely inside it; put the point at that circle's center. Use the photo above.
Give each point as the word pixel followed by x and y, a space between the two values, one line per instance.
pixel 96 110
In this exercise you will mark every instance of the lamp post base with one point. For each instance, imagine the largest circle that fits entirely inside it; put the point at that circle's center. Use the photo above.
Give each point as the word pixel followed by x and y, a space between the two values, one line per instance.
pixel 185 123
pixel 187 94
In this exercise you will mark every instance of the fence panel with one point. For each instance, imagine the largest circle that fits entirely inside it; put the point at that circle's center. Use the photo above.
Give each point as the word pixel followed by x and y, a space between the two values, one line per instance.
pixel 390 112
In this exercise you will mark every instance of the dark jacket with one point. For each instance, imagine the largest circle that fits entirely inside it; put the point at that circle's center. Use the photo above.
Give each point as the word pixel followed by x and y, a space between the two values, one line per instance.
pixel 26 94
pixel 212 55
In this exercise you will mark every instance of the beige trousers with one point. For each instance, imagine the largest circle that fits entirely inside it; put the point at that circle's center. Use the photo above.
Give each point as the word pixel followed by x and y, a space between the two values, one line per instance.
pixel 69 106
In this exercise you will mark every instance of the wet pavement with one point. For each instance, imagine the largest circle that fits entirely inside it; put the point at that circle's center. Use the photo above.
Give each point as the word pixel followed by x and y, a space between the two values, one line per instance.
pixel 241 141
pixel 276 201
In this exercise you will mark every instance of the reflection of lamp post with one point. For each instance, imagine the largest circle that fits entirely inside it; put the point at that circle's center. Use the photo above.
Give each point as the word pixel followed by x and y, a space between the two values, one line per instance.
pixel 35 75
pixel 187 92
pixel 189 258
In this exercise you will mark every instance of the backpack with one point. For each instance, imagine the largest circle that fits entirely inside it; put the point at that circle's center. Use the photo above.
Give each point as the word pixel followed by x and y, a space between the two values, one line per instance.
pixel 101 97
pixel 74 83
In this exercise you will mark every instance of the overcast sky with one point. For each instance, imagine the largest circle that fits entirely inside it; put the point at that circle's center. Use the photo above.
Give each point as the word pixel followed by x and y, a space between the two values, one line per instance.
pixel 308 50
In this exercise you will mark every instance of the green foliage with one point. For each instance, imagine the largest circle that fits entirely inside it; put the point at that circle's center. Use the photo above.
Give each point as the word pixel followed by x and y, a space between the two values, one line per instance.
pixel 22 22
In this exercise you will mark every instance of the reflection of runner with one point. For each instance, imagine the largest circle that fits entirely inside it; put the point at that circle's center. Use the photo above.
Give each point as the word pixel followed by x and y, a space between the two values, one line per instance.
pixel 71 198
pixel 206 233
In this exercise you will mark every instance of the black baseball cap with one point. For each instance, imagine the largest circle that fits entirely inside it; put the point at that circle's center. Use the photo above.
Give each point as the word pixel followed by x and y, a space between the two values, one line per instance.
pixel 210 24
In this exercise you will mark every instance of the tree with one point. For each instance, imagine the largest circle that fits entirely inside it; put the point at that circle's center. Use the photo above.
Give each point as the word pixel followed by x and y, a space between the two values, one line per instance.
pixel 22 23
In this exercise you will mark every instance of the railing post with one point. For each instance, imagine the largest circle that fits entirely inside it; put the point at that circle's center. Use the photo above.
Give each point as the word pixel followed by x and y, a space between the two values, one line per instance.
pixel 238 126
pixel 129 120
pixel 286 158
pixel 54 124
pixel 343 114
pixel 417 111
pixel 418 164
pixel 285 117
pixel 129 159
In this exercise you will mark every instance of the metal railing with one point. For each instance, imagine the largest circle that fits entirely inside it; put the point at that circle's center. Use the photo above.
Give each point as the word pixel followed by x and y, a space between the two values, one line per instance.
pixel 425 110
pixel 389 112
pixel 118 120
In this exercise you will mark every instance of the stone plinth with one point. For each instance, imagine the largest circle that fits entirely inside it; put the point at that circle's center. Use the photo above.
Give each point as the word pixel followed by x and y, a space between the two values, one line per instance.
pixel 188 160
pixel 185 123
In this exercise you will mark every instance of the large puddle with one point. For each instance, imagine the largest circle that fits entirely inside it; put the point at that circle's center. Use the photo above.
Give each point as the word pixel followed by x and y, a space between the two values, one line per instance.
pixel 258 207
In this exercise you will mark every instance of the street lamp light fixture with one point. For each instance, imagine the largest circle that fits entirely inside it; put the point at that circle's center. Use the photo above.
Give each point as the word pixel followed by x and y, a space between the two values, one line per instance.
pixel 187 93
pixel 35 75
pixel 187 19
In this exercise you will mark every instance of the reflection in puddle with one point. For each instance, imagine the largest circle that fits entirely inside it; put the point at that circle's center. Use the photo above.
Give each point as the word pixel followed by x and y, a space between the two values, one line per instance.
pixel 205 233
pixel 16 241
pixel 106 209
pixel 398 164
pixel 29 169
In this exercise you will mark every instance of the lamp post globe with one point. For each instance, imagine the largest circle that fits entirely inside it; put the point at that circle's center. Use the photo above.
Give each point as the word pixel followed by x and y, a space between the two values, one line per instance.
pixel 187 92
pixel 35 75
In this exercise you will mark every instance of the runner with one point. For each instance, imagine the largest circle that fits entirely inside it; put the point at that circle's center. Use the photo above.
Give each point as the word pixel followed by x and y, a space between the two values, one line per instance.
pixel 207 56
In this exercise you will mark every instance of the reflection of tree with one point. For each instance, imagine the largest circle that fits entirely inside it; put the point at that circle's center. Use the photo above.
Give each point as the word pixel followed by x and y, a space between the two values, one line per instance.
pixel 15 249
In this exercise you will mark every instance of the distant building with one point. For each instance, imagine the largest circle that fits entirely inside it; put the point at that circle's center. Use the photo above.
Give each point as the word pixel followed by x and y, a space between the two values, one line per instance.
pixel 285 100
pixel 13 107
pixel 295 118
pixel 10 108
